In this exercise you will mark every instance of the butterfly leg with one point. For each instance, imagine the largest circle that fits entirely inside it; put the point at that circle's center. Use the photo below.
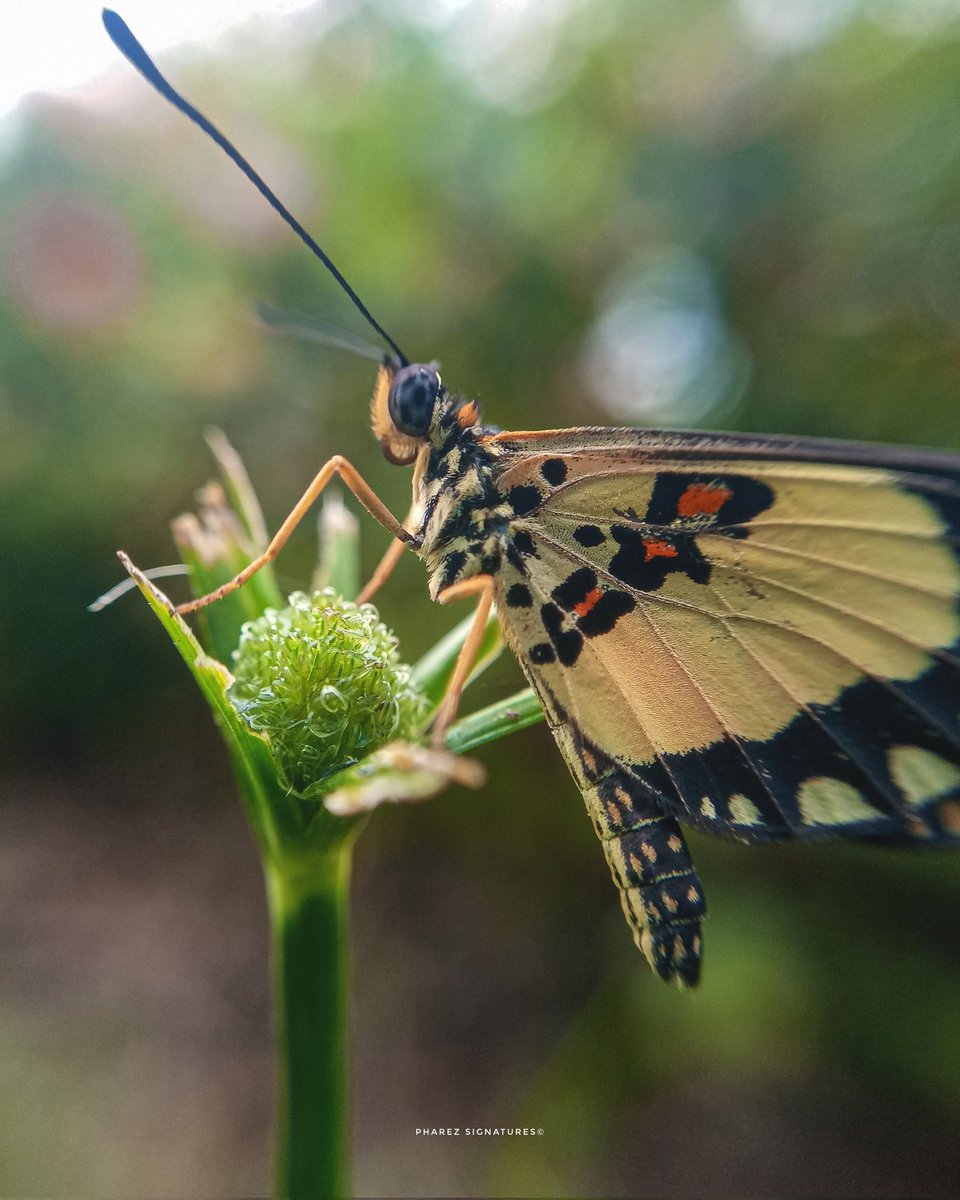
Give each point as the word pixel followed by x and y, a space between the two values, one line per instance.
pixel 478 585
pixel 383 571
pixel 333 467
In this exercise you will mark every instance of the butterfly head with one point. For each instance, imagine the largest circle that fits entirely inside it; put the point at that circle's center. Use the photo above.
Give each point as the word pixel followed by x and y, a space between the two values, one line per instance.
pixel 411 407
pixel 412 398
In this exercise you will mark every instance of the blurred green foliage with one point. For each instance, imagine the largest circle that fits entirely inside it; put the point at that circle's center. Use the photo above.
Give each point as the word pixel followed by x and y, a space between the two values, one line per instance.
pixel 735 214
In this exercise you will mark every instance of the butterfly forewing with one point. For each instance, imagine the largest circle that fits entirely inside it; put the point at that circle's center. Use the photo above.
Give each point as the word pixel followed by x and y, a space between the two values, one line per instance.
pixel 764 647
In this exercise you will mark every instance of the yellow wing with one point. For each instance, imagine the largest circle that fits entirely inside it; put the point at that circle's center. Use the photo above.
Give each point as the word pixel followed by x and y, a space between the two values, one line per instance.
pixel 739 634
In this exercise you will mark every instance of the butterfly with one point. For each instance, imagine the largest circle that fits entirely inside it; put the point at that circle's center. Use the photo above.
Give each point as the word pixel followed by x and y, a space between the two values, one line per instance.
pixel 756 636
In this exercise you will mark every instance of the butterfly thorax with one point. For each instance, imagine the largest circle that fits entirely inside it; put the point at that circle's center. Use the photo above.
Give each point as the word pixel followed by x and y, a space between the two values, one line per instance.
pixel 463 519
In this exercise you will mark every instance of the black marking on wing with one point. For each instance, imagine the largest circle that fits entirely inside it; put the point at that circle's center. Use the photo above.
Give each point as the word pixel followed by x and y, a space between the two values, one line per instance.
pixel 944 498
pixel 554 471
pixel 663 540
pixel 518 596
pixel 542 653
pixel 566 642
pixel 869 717
pixel 602 617
pixel 520 545
pixel 644 561
pixel 581 609
pixel 725 500
pixel 575 588
pixel 523 499
pixel 589 535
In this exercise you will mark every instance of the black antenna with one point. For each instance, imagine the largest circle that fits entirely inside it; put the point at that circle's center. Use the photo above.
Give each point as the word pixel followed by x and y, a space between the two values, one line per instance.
pixel 135 54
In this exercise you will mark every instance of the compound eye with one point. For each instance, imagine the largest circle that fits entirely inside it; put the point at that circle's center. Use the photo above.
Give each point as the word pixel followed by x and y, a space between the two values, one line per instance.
pixel 413 394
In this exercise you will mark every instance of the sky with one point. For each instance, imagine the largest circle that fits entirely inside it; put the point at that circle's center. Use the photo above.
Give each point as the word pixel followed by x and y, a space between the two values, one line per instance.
pixel 54 45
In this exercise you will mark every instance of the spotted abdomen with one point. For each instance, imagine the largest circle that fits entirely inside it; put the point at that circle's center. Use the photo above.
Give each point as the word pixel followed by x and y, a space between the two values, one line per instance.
pixel 660 891
pixel 661 895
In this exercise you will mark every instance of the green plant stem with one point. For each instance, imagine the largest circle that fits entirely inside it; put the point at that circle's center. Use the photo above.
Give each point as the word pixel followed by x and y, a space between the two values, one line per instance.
pixel 308 916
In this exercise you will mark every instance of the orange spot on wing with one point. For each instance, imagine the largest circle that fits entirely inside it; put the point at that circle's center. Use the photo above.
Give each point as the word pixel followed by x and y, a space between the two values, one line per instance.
pixel 703 499
pixel 588 602
pixel 657 548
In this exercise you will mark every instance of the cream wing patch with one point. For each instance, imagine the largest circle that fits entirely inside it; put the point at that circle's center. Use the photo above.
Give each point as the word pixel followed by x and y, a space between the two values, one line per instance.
pixel 922 775
pixel 748 636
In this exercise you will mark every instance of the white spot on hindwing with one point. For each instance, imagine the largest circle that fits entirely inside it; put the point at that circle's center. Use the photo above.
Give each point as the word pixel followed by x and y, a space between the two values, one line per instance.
pixel 744 811
pixel 921 774
pixel 826 801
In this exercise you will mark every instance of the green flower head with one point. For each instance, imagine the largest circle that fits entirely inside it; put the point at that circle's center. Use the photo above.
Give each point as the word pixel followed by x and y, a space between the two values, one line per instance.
pixel 321 678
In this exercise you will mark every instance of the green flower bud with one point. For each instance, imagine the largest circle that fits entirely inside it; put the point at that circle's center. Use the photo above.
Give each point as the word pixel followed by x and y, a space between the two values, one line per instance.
pixel 322 679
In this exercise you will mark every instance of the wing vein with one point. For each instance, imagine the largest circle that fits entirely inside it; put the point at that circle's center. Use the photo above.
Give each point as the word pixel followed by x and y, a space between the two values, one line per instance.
pixel 759 522
pixel 938 652
pixel 851 753
pixel 642 598
pixel 754 543
pixel 734 738
pixel 541 686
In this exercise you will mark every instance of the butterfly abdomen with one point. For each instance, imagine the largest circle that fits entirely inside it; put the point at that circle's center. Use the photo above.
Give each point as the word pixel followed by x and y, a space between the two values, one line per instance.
pixel 661 895
pixel 660 891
